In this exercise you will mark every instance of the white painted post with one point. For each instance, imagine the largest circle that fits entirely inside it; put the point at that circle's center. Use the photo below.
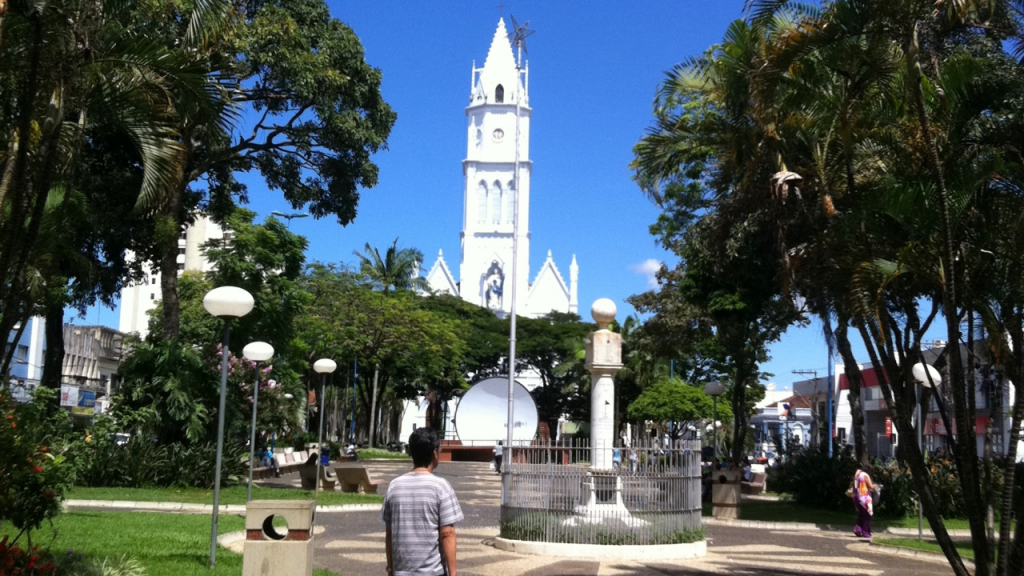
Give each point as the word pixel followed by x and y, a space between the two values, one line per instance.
pixel 604 359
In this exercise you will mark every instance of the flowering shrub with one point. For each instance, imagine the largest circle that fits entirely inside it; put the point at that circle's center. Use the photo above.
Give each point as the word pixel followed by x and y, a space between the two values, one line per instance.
pixel 33 478
pixel 14 561
pixel 274 412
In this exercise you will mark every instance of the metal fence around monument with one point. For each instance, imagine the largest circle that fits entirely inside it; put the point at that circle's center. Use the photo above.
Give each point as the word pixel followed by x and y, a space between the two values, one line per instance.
pixel 651 493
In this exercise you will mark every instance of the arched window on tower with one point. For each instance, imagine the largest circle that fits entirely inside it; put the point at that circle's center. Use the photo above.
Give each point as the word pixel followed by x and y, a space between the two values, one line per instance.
pixel 508 201
pixel 496 194
pixel 499 94
pixel 481 202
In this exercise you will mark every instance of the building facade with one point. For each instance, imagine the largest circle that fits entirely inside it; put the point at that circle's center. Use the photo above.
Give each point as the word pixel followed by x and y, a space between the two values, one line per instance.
pixel 499 95
pixel 27 363
pixel 140 298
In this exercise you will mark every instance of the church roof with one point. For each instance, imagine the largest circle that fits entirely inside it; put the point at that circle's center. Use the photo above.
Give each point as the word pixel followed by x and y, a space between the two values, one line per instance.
pixel 440 277
pixel 500 53
pixel 548 270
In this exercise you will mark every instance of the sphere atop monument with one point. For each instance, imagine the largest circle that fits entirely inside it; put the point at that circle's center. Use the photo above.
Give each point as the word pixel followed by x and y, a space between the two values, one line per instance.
pixel 603 311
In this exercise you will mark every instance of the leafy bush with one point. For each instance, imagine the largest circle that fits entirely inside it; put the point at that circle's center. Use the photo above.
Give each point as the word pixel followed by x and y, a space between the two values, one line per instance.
pixel 814 479
pixel 33 478
pixel 899 498
pixel 37 562
pixel 141 463
pixel 549 527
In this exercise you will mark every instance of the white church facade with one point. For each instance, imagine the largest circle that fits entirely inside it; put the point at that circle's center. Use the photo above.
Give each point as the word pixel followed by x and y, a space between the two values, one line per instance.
pixel 485 269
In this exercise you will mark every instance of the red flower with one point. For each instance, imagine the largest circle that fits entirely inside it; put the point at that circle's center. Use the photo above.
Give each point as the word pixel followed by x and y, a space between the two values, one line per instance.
pixel 38 469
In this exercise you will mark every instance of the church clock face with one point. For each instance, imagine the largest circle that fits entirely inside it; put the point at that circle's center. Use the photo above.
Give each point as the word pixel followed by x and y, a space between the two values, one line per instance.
pixel 498 135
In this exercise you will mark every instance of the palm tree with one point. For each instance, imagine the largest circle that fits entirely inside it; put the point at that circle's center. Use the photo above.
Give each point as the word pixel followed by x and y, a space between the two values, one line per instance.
pixel 63 90
pixel 398 269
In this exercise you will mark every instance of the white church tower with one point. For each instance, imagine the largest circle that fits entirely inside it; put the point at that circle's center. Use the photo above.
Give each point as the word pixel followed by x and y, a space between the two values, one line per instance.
pixel 485 271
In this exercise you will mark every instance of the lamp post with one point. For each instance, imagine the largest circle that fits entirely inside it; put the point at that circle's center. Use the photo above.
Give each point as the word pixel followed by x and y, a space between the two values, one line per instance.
pixel 323 366
pixel 714 389
pixel 226 303
pixel 926 376
pixel 257 352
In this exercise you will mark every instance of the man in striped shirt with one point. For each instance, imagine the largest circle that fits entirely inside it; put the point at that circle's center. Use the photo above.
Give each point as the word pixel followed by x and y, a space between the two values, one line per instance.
pixel 420 511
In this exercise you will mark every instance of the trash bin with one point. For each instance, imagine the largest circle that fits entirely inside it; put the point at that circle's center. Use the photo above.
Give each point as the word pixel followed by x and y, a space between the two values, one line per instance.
pixel 271 551
pixel 725 494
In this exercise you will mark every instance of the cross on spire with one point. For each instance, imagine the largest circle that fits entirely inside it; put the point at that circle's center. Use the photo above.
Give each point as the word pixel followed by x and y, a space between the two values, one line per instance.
pixel 501 7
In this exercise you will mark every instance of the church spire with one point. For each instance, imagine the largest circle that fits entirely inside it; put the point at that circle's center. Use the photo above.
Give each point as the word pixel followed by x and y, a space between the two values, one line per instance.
pixel 499 56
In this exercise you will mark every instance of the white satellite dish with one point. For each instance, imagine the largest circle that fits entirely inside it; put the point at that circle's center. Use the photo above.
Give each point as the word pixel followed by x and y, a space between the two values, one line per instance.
pixel 483 412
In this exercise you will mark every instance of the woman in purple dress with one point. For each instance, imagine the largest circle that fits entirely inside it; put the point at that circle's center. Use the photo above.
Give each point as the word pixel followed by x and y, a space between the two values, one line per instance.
pixel 862 489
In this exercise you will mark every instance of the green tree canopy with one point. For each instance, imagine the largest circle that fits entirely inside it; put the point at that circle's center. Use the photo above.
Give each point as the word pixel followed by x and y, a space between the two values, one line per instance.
pixel 674 401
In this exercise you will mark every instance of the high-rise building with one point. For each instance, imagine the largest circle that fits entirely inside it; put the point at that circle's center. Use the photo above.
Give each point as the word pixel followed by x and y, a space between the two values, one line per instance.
pixel 137 300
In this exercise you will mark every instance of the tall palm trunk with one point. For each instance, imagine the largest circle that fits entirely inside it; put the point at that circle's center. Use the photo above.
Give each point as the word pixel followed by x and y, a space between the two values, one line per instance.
pixel 967 454
pixel 169 269
pixel 855 381
pixel 53 356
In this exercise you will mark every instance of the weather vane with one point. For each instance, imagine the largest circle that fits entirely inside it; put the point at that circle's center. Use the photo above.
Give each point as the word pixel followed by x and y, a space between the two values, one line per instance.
pixel 520 33
pixel 501 7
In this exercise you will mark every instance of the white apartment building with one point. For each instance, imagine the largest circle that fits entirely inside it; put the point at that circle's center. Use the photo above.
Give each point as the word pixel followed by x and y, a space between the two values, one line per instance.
pixel 139 299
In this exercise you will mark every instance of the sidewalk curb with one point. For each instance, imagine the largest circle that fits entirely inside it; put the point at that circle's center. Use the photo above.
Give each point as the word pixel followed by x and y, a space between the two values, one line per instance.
pixel 810 527
pixel 188 508
pixel 904 552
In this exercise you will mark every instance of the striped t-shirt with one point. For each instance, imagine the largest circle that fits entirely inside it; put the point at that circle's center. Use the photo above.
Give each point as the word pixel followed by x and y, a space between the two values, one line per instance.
pixel 416 506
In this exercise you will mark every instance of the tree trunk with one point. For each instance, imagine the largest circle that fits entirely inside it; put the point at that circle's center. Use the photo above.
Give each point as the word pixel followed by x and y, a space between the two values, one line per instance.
pixel 53 357
pixel 739 415
pixel 854 380
pixel 373 408
pixel 169 273
pixel 967 452
pixel 1012 563
pixel 873 342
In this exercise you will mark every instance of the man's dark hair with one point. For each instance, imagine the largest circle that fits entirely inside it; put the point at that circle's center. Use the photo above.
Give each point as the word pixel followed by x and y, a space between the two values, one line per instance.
pixel 422 444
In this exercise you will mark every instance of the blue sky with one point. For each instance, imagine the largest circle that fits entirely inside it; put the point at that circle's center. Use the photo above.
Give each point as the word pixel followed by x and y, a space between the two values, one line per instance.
pixel 594 68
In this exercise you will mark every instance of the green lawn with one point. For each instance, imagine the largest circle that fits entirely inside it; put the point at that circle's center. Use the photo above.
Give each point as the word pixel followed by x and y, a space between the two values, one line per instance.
pixel 229 495
pixel 381 454
pixel 165 544
pixel 963 546
pixel 785 511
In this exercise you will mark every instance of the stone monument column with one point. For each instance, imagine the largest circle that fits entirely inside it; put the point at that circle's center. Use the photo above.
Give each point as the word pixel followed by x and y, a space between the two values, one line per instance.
pixel 604 359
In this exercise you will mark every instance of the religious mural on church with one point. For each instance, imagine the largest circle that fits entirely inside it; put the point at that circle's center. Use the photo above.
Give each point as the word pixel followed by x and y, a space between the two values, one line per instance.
pixel 494 282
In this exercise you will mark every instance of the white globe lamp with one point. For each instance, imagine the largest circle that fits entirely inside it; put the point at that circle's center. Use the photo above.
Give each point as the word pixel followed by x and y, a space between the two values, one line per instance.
pixel 714 389
pixel 926 375
pixel 228 302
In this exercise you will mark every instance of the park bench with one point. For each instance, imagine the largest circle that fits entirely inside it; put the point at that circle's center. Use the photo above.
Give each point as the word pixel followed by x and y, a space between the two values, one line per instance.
pixel 285 463
pixel 756 484
pixel 356 479
pixel 307 475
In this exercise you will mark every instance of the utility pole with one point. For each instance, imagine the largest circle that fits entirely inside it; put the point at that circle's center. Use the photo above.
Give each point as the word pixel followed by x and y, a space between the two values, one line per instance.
pixel 814 403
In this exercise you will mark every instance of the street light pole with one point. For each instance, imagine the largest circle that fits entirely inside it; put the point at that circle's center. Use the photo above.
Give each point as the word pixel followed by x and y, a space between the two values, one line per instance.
pixel 714 389
pixel 257 352
pixel 227 303
pixel 323 366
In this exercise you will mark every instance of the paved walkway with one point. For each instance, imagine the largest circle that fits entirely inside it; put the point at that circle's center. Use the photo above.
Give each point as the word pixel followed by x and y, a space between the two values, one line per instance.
pixel 353 544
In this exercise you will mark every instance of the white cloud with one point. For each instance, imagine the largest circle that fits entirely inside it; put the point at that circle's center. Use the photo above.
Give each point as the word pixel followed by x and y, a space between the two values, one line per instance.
pixel 648 268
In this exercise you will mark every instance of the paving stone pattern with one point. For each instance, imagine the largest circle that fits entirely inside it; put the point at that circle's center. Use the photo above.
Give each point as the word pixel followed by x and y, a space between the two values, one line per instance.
pixel 352 543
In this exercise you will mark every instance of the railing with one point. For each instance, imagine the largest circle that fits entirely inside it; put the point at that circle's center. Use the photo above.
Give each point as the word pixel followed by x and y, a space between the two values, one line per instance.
pixel 650 495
